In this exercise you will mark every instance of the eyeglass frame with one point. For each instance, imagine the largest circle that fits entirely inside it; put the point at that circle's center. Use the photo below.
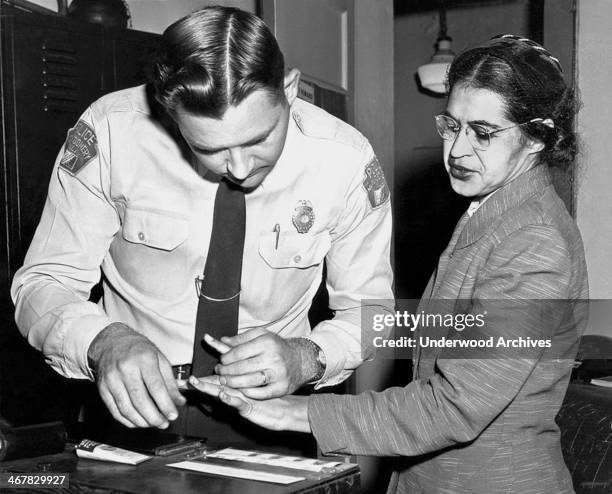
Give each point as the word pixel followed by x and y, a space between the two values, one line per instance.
pixel 473 136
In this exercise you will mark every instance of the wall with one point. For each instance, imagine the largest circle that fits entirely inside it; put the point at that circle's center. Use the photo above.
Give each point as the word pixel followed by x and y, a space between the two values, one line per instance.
pixel 424 202
pixel 155 15
pixel 594 192
pixel 559 33
pixel 313 36
pixel 372 92
pixel 371 104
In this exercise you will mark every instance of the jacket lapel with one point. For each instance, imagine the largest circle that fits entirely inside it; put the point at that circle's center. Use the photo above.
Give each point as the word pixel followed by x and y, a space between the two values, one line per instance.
pixel 510 196
pixel 471 229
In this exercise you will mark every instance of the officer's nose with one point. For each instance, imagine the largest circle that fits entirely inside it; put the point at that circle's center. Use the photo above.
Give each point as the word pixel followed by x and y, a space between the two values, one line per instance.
pixel 239 164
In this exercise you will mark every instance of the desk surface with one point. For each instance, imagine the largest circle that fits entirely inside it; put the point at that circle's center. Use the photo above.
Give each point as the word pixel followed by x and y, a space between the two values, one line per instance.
pixel 153 476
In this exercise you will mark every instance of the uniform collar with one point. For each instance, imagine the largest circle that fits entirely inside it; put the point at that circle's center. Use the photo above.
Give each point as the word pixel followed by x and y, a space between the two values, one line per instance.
pixel 511 195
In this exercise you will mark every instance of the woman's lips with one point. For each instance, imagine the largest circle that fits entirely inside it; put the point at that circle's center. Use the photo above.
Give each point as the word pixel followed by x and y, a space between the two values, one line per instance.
pixel 459 172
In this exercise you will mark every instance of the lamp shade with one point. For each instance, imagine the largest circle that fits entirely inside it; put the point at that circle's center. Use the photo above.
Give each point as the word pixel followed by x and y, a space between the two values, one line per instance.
pixel 433 74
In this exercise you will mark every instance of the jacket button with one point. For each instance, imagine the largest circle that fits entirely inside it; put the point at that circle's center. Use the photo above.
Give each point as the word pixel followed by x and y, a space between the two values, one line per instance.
pixel 141 236
pixel 297 259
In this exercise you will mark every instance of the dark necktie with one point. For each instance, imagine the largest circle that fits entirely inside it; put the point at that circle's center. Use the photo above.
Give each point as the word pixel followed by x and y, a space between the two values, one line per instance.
pixel 220 291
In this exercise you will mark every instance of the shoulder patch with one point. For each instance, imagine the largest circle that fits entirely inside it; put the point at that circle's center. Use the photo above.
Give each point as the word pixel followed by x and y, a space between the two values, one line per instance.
pixel 375 184
pixel 81 147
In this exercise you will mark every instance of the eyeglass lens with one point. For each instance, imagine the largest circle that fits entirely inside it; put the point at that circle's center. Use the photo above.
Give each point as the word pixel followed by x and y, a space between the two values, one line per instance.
pixel 449 129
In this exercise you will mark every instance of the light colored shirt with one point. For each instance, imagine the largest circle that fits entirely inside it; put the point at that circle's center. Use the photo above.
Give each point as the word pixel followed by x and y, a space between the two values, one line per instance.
pixel 129 202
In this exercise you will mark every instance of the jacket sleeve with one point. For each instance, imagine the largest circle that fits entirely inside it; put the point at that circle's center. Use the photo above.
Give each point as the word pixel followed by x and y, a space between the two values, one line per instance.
pixel 464 396
pixel 52 289
pixel 359 275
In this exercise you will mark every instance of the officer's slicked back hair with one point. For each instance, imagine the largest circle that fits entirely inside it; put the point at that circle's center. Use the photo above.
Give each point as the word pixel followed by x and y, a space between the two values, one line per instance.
pixel 215 58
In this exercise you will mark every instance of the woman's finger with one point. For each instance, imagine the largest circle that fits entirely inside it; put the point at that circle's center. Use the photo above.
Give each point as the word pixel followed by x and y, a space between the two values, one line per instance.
pixel 216 344
pixel 233 399
pixel 244 337
pixel 205 386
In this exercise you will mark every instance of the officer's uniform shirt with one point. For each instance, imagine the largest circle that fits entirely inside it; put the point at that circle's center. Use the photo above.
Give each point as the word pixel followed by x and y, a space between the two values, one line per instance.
pixel 124 197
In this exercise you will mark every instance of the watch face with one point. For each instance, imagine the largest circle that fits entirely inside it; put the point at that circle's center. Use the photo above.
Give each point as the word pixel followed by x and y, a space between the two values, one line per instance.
pixel 321 358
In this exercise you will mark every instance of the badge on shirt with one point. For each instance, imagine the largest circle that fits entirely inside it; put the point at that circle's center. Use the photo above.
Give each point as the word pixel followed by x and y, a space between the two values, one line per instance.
pixel 81 147
pixel 303 216
pixel 375 184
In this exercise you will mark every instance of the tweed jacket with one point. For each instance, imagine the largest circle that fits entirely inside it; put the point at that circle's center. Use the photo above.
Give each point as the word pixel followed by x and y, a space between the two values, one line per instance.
pixel 482 423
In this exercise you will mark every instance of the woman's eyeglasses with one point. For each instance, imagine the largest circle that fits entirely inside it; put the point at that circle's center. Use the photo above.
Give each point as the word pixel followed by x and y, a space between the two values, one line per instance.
pixel 478 136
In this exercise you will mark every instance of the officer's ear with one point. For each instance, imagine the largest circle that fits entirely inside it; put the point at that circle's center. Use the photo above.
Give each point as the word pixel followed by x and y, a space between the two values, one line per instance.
pixel 292 81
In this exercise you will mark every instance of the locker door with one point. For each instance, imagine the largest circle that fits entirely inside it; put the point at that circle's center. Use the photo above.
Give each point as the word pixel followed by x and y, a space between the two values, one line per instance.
pixel 56 73
pixel 129 56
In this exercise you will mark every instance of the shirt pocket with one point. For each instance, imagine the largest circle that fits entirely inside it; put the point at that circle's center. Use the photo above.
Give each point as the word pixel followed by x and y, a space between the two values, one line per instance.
pixel 158 229
pixel 293 250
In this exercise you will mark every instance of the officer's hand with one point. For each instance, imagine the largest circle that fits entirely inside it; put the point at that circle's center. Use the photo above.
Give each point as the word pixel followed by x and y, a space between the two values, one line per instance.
pixel 281 414
pixel 134 379
pixel 262 364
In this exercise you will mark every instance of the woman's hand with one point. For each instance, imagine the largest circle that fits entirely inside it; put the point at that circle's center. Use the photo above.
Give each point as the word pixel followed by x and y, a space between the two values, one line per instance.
pixel 289 413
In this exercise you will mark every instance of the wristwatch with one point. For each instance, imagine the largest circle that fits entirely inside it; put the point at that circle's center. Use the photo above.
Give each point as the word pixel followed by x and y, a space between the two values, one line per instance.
pixel 321 361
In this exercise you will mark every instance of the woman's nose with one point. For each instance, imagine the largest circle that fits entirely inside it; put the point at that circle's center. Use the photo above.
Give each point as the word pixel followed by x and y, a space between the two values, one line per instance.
pixel 461 146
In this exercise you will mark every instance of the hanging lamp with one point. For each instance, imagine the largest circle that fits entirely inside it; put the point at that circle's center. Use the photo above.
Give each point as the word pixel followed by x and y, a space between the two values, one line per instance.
pixel 433 74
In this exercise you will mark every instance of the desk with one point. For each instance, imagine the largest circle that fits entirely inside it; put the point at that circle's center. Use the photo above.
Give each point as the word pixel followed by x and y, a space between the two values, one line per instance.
pixel 91 476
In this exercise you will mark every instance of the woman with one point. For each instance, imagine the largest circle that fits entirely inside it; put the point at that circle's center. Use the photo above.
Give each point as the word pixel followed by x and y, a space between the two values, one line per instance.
pixel 483 422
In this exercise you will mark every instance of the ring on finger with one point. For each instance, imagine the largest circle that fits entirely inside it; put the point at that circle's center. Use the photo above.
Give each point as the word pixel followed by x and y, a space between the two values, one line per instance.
pixel 264 378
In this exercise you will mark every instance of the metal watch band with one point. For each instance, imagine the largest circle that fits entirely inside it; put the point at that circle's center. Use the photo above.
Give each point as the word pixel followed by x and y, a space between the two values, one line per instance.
pixel 321 366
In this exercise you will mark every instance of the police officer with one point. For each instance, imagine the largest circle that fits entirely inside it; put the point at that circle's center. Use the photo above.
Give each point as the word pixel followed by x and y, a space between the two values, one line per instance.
pixel 132 196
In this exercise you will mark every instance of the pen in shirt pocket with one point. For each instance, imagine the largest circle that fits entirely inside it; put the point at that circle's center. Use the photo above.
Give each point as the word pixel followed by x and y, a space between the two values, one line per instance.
pixel 277 231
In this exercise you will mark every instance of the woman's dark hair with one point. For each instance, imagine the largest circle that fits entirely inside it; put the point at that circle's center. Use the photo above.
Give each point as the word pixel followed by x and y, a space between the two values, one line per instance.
pixel 215 58
pixel 530 81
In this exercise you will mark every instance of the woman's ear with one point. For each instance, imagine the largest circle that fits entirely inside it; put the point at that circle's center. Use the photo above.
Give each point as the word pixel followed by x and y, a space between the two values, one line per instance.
pixel 292 82
pixel 535 146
